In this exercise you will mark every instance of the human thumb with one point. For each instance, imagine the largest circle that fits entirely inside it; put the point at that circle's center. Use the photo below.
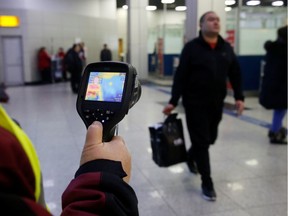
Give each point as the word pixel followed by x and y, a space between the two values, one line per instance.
pixel 92 143
pixel 94 134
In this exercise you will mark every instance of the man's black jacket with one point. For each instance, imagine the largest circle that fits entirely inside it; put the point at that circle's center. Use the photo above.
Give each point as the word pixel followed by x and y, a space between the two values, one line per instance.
pixel 201 77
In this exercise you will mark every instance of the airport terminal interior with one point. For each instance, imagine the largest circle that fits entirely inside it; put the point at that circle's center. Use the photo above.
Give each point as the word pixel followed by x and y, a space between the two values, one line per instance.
pixel 249 173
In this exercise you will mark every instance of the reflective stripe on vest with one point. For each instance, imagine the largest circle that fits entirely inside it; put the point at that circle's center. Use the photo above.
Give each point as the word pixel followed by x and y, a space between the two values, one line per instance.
pixel 7 123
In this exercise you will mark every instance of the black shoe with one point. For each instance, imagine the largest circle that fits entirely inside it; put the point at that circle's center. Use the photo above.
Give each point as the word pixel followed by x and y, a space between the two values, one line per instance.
pixel 209 193
pixel 282 131
pixel 281 141
pixel 278 137
pixel 270 133
pixel 192 167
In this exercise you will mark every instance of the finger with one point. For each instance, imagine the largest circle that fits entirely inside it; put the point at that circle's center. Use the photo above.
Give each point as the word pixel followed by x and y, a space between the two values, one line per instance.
pixel 94 134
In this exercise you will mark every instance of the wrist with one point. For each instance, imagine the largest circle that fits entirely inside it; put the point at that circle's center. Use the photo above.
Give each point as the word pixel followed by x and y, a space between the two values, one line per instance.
pixel 102 165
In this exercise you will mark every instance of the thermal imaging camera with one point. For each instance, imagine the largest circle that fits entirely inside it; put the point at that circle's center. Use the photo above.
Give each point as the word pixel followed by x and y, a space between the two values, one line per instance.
pixel 107 91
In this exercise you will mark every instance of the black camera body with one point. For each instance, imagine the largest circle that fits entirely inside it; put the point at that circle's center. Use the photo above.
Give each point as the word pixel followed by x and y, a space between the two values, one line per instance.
pixel 107 91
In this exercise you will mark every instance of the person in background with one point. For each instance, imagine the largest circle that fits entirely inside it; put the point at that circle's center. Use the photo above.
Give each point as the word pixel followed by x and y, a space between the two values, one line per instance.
pixel 44 65
pixel 200 79
pixel 273 94
pixel 83 53
pixel 105 54
pixel 100 185
pixel 73 64
pixel 4 98
pixel 61 55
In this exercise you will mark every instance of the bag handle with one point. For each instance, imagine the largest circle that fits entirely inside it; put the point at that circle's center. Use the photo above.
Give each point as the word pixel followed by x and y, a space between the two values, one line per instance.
pixel 171 117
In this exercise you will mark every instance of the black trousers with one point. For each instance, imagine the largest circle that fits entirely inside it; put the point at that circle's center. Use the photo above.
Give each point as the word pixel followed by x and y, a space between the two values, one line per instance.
pixel 202 123
pixel 75 81
pixel 46 75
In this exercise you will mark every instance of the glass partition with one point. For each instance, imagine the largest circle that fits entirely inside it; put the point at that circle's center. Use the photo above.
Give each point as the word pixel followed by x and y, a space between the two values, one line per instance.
pixel 256 26
pixel 165 43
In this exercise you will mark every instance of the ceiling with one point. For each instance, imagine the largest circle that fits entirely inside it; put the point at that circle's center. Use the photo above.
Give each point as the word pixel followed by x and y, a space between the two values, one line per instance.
pixel 172 6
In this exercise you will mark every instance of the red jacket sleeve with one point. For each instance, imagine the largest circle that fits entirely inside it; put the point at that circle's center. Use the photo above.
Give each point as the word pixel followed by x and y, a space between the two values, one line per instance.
pixel 98 189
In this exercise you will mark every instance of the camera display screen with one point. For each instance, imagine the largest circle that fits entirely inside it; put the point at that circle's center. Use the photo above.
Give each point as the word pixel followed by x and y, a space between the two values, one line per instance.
pixel 105 86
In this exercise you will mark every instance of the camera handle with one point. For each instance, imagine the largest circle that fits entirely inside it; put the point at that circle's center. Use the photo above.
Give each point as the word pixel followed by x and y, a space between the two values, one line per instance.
pixel 113 132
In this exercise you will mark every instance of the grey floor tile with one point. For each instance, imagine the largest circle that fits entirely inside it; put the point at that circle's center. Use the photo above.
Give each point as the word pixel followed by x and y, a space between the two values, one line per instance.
pixel 230 213
pixel 187 200
pixel 267 210
pixel 257 191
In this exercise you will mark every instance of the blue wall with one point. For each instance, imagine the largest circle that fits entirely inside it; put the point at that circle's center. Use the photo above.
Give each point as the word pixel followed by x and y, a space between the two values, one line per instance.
pixel 250 68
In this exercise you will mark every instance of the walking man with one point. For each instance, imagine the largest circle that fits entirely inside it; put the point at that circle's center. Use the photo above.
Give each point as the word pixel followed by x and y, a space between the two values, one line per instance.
pixel 200 80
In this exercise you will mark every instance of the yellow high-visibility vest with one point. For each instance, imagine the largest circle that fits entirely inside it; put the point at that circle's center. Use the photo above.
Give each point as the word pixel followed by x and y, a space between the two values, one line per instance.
pixel 7 123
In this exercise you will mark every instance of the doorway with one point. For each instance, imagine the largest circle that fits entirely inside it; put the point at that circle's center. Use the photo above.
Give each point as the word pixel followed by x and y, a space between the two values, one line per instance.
pixel 12 60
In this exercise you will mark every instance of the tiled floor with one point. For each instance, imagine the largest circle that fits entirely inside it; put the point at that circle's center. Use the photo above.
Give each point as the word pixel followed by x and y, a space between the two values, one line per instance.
pixel 250 175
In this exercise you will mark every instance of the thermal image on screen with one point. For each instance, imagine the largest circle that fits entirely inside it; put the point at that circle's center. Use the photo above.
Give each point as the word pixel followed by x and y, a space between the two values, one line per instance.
pixel 105 86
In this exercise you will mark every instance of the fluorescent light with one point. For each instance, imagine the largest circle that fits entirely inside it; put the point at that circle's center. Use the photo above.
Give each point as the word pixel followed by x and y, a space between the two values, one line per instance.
pixel 151 7
pixel 228 9
pixel 125 7
pixel 176 169
pixel 252 162
pixel 253 3
pixel 235 186
pixel 149 150
pixel 51 205
pixel 230 2
pixel 167 1
pixel 180 8
pixel 277 3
